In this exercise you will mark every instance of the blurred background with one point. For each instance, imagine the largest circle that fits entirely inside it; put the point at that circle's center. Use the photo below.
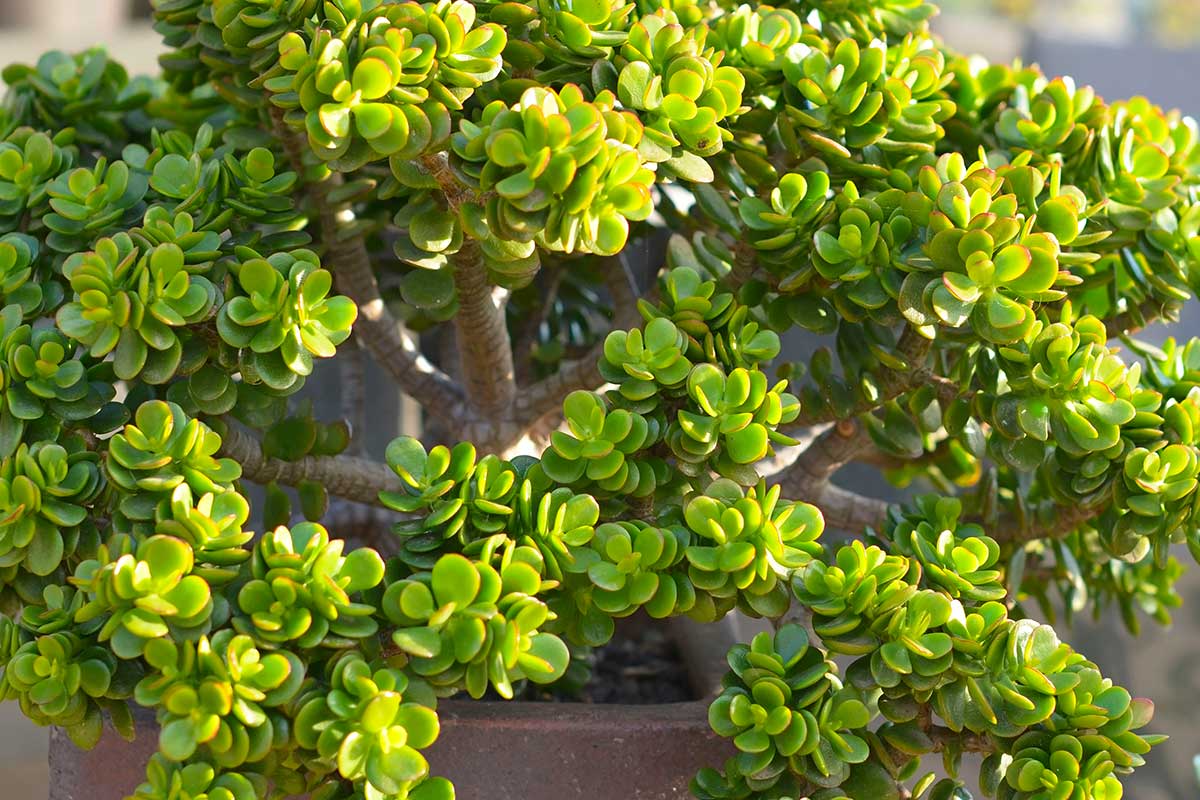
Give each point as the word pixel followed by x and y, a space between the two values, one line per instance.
pixel 1121 47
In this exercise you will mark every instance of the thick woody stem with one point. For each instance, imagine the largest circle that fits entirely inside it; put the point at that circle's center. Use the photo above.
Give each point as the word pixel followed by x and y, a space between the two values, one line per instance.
pixel 839 445
pixel 526 342
pixel 350 477
pixel 484 345
pixel 1140 316
pixel 376 328
pixel 808 479
pixel 1051 521
pixel 745 261
pixel 393 348
pixel 941 739
pixel 846 511
pixel 363 524
pixel 545 396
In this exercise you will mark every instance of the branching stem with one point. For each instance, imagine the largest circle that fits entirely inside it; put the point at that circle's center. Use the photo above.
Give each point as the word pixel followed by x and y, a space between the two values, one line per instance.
pixel 349 477
pixel 380 332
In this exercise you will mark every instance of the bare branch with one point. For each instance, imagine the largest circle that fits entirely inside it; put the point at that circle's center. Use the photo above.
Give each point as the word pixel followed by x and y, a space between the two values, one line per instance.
pixel 455 192
pixel 845 510
pixel 808 479
pixel 838 445
pixel 351 477
pixel 527 341
pixel 1048 521
pixel 745 261
pixel 363 525
pixel 1140 316
pixel 484 345
pixel 545 396
pixel 787 456
pixel 354 276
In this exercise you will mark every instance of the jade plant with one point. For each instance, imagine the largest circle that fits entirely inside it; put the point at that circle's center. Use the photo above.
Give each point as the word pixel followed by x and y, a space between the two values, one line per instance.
pixel 576 234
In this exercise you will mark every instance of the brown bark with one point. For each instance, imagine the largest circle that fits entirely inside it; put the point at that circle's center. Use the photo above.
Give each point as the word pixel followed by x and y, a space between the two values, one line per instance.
pixel 379 331
pixel 350 477
pixel 484 346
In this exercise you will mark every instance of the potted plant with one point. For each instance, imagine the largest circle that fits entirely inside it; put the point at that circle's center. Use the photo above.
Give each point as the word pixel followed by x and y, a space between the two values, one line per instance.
pixel 610 426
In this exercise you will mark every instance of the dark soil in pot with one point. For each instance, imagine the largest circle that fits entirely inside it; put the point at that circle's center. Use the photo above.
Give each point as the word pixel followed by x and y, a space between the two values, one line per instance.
pixel 642 665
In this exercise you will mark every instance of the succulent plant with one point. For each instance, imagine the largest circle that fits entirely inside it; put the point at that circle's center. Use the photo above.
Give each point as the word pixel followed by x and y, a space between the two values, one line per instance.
pixel 784 225
pixel 212 527
pixel 301 587
pixel 643 363
pixel 756 41
pixel 427 476
pixel 132 304
pixel 583 197
pixel 56 612
pixel 959 559
pixel 993 265
pixel 603 219
pixel 386 85
pixel 637 569
pixel 211 186
pixel 162 449
pixel 463 500
pixel 39 374
pixel 669 76
pixel 574 32
pixel 62 679
pixel 600 445
pixel 843 609
pixel 21 280
pixel 467 624
pixel 29 161
pixel 733 419
pixel 197 780
pixel 1055 359
pixel 769 697
pixel 285 316
pixel 145 593
pixel 45 494
pixel 1056 764
pixel 88 91
pixel 861 96
pixel 367 729
pixel 692 304
pixel 88 203
pixel 857 247
pixel 216 694
pixel 747 543
pixel 249 30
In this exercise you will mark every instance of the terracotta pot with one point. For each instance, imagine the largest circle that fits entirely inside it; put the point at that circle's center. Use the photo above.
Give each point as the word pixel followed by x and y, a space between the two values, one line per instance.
pixel 497 751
